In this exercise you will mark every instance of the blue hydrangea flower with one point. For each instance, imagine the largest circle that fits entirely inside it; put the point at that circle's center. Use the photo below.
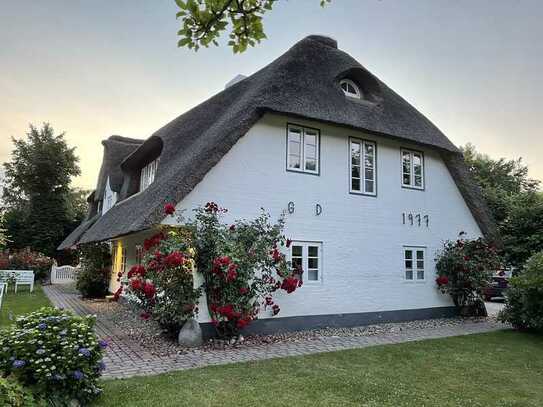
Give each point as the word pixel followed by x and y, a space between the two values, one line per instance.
pixel 17 363
pixel 101 366
pixel 57 376
pixel 85 352
pixel 78 375
pixel 40 351
pixel 103 344
pixel 42 326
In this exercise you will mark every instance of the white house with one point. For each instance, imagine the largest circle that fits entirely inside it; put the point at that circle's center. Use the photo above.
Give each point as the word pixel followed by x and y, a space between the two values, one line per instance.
pixel 371 187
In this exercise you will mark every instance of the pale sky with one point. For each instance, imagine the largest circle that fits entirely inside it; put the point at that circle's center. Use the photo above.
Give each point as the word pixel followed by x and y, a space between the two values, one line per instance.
pixel 103 67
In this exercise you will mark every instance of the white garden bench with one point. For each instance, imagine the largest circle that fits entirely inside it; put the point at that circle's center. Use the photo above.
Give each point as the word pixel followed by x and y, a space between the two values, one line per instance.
pixel 2 289
pixel 20 277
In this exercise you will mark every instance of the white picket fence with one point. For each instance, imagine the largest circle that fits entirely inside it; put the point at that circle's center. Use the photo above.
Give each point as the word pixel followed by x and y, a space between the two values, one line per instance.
pixel 63 274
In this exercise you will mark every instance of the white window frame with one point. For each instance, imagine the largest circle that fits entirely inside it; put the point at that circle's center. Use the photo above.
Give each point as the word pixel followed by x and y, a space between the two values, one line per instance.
pixel 349 83
pixel 302 156
pixel 412 154
pixel 362 167
pixel 147 175
pixel 305 260
pixel 415 264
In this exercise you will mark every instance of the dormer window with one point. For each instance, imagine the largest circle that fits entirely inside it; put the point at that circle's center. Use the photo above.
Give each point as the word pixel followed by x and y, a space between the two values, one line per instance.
pixel 350 88
pixel 147 175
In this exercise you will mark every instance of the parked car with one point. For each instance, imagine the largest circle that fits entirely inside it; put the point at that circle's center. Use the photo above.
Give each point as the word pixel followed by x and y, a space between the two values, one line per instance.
pixel 496 288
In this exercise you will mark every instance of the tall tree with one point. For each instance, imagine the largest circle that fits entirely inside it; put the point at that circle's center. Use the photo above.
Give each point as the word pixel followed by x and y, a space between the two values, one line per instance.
pixel 514 200
pixel 37 192
pixel 205 20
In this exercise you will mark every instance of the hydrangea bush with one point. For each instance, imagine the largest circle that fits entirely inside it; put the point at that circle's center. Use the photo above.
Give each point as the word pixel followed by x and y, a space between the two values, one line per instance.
pixel 55 353
pixel 465 267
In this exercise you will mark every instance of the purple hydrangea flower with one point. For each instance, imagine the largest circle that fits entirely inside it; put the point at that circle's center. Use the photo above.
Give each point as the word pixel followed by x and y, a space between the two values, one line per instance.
pixel 42 326
pixel 78 375
pixel 17 363
pixel 85 352
pixel 102 343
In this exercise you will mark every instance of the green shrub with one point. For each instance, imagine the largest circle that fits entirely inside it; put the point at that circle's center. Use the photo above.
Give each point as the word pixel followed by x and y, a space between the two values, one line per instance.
pixel 54 353
pixel 524 298
pixel 93 278
pixel 13 394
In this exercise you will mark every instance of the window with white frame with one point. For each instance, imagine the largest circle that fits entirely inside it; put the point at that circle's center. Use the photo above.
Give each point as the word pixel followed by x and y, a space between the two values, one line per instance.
pixel 363 166
pixel 414 263
pixel 303 149
pixel 350 88
pixel 147 175
pixel 308 257
pixel 139 254
pixel 412 169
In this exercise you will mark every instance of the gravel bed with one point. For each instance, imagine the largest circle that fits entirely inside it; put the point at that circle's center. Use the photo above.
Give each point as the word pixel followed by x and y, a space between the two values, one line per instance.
pixel 155 340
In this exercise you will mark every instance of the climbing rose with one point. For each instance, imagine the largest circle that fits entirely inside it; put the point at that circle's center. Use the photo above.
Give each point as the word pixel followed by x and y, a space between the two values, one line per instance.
pixel 117 294
pixel 232 274
pixel 275 309
pixel 149 290
pixel 136 284
pixel 137 270
pixel 169 209
pixel 243 290
pixel 174 259
pixel 289 284
pixel 289 243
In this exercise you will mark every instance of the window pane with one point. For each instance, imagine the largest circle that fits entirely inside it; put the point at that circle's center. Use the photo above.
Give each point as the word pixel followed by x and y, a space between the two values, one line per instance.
pixel 355 153
pixel 311 165
pixel 420 254
pixel 297 251
pixel 296 263
pixel 294 161
pixel 313 275
pixel 420 264
pixel 406 168
pixel 313 251
pixel 310 152
pixel 409 264
pixel 418 181
pixel 355 185
pixel 369 187
pixel 369 174
pixel 406 179
pixel 420 274
pixel 355 171
pixel 409 274
pixel 408 254
pixel 344 86
pixel 313 263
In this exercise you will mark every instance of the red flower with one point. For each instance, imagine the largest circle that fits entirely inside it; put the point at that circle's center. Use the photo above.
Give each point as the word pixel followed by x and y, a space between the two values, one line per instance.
pixel 155 240
pixel 443 280
pixel 117 293
pixel 232 273
pixel 289 284
pixel 137 270
pixel 174 259
pixel 149 290
pixel 275 309
pixel 243 290
pixel 277 256
pixel 232 227
pixel 153 265
pixel 289 243
pixel 169 209
pixel 136 284
pixel 145 316
pixel 268 300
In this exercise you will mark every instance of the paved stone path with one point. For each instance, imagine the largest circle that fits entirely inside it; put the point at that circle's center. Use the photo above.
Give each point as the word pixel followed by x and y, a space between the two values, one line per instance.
pixel 126 357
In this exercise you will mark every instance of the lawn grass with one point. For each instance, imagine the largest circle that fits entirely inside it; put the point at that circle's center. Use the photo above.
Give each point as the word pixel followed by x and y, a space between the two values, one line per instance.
pixel 495 369
pixel 21 303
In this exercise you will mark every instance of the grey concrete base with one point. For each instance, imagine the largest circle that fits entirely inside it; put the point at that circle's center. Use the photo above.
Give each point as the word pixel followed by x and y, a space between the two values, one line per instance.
pixel 291 324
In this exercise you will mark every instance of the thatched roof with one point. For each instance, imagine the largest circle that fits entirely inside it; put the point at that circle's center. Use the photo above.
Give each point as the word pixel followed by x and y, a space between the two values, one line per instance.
pixel 303 82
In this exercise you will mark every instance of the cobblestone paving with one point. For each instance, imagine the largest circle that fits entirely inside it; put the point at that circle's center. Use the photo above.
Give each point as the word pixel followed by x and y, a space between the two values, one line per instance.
pixel 126 357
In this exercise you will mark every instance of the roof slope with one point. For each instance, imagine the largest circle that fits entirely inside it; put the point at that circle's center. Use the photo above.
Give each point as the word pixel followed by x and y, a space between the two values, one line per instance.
pixel 302 82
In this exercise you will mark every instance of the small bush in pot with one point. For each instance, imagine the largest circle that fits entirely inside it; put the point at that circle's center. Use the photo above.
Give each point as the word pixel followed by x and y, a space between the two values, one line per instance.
pixel 465 267
pixel 54 353
pixel 93 278
pixel 524 297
